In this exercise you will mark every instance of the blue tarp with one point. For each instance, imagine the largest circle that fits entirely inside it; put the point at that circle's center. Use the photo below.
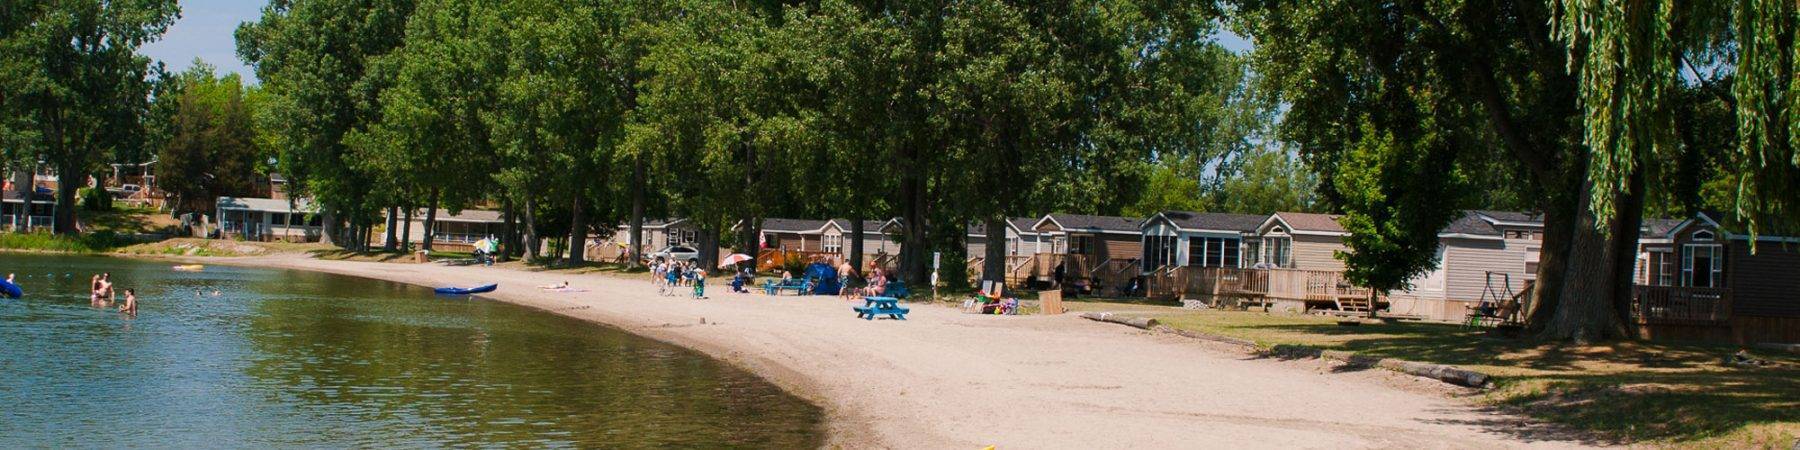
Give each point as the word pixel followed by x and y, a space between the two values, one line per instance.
pixel 825 280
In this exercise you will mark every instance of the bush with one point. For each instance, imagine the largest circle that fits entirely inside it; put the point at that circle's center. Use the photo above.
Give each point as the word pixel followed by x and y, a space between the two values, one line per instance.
pixel 95 199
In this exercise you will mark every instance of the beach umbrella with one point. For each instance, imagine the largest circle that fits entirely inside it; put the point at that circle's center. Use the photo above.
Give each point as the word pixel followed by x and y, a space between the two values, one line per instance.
pixel 734 259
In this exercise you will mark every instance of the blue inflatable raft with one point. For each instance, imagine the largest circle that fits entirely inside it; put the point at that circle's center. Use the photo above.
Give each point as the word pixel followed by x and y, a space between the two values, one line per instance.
pixel 9 290
pixel 466 291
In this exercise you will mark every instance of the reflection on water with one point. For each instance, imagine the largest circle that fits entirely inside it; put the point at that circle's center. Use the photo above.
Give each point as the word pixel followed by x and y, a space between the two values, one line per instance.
pixel 296 359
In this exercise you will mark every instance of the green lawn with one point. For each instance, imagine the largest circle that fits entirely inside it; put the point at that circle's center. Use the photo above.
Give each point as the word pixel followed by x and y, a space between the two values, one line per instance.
pixel 1636 392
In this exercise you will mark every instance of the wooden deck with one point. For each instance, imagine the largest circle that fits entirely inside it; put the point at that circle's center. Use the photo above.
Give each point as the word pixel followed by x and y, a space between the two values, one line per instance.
pixel 1682 313
pixel 1255 284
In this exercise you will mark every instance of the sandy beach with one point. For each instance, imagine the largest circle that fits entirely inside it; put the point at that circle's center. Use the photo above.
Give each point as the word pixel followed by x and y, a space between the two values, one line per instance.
pixel 944 379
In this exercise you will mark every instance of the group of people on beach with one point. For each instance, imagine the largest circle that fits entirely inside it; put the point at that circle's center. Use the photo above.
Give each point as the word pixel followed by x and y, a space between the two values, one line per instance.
pixel 670 276
pixel 856 285
pixel 101 295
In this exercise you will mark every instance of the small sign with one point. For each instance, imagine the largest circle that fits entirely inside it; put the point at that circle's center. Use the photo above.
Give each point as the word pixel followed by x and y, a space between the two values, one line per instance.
pixel 936 260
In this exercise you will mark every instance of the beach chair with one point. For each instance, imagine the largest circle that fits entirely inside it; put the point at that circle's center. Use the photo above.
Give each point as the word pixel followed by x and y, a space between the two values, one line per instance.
pixel 991 293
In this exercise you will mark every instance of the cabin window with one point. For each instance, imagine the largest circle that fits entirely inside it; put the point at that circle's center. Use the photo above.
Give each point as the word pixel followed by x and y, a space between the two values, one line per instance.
pixel 278 218
pixel 1702 265
pixel 832 243
pixel 1159 251
pixel 684 236
pixel 1012 245
pixel 1278 251
pixel 1703 236
pixel 1665 268
pixel 1081 245
pixel 1214 252
pixel 1532 255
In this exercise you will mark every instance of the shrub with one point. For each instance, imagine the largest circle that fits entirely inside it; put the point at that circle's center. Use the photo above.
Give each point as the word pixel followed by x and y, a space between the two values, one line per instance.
pixel 95 199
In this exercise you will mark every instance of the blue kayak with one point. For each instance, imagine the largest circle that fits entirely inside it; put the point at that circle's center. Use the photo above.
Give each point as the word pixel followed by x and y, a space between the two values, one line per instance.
pixel 9 290
pixel 466 291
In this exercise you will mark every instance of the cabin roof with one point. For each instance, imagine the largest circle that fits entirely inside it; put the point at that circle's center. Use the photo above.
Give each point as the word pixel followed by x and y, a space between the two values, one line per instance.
pixel 1192 220
pixel 265 204
pixel 1091 224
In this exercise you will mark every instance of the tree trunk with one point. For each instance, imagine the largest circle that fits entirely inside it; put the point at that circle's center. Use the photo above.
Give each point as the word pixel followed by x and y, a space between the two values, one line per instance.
pixel 509 229
pixel 388 244
pixel 709 248
pixel 578 231
pixel 751 228
pixel 430 223
pixel 532 245
pixel 856 241
pixel 1584 311
pixel 1628 218
pixel 915 245
pixel 64 220
pixel 406 232
pixel 327 226
pixel 993 263
pixel 1553 260
pixel 637 211
pixel 27 191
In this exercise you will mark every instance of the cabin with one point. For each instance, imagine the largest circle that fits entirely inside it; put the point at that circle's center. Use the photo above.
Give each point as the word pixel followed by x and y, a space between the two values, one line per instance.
pixel 1699 280
pixel 785 239
pixel 1482 255
pixel 38 215
pixel 1291 240
pixel 1094 253
pixel 453 232
pixel 658 234
pixel 267 219
pixel 1196 239
pixel 1021 240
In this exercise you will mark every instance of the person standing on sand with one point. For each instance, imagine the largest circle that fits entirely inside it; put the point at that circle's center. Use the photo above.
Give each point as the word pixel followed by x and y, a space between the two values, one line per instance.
pixel 130 305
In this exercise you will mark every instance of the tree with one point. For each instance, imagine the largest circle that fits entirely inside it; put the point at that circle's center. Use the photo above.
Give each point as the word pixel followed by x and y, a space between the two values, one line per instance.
pixel 311 56
pixel 84 87
pixel 1391 185
pixel 211 148
pixel 1269 179
pixel 1494 85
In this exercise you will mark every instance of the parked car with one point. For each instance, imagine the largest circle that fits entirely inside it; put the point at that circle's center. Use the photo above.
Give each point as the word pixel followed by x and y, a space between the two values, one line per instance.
pixel 675 253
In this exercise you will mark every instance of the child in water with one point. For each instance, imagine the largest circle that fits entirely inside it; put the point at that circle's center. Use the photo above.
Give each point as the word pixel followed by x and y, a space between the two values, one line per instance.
pixel 130 305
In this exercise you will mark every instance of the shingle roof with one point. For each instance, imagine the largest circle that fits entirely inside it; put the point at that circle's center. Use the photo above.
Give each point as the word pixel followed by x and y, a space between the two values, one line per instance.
pixel 979 227
pixel 1311 222
pixel 1247 223
pixel 264 204
pixel 869 226
pixel 1080 222
pixel 792 225
pixel 1471 223
pixel 469 215
pixel 1656 227
pixel 1514 216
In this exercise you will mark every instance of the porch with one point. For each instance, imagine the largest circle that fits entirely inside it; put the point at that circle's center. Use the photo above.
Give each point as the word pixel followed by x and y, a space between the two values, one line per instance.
pixel 1317 288
pixel 1681 313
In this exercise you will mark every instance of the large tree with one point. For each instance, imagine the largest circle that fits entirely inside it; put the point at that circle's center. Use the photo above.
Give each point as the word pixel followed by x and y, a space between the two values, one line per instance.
pixel 79 82
pixel 210 149
pixel 312 57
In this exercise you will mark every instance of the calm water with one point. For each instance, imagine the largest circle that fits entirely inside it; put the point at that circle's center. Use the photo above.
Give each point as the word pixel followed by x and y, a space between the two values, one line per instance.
pixel 296 359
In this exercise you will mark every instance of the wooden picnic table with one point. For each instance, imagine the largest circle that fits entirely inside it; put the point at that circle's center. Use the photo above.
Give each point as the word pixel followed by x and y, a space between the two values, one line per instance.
pixel 875 305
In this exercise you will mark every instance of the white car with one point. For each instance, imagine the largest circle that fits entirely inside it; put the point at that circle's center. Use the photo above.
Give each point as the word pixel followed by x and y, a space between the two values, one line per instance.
pixel 676 253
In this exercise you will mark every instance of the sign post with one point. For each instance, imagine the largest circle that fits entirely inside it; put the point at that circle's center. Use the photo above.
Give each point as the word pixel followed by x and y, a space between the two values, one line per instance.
pixel 936 260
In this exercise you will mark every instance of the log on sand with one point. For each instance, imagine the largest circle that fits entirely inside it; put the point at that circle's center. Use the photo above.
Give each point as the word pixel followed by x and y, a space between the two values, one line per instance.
pixel 1140 322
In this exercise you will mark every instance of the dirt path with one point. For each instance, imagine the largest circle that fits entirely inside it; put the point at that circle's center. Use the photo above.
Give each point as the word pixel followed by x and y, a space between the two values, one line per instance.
pixel 944 379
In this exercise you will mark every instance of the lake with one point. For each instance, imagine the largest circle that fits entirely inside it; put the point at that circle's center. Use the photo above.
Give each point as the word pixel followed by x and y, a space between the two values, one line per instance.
pixel 246 357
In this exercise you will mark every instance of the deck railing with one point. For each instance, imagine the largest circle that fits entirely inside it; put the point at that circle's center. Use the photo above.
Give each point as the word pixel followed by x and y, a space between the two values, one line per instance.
pixel 1294 284
pixel 1680 305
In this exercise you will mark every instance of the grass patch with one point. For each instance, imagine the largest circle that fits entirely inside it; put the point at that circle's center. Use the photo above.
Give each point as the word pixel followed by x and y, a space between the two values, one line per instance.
pixel 1675 394
pixel 55 243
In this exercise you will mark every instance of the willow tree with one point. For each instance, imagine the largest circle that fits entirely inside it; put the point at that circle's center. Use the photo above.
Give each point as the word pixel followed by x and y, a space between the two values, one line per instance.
pixel 1634 62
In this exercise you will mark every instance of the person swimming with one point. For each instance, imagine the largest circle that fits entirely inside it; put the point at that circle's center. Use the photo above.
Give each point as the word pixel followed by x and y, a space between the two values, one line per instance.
pixel 130 304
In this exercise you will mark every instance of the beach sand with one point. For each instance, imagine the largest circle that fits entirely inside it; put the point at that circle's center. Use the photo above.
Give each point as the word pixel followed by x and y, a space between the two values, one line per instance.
pixel 944 379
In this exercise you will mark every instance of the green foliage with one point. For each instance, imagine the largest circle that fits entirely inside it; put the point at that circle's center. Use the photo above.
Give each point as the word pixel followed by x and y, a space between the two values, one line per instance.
pixel 211 149
pixel 1393 192
pixel 72 75
pixel 95 199
pixel 44 242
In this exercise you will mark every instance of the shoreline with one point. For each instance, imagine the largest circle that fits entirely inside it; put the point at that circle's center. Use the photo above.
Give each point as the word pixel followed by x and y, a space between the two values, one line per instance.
pixel 946 379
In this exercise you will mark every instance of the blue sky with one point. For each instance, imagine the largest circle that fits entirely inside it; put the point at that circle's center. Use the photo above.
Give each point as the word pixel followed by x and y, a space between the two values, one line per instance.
pixel 204 31
pixel 205 28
